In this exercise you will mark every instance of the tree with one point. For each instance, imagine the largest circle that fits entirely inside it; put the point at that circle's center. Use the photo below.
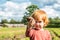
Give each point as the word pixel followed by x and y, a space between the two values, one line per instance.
pixel 4 21
pixel 56 18
pixel 12 21
pixel 30 9
pixel 54 22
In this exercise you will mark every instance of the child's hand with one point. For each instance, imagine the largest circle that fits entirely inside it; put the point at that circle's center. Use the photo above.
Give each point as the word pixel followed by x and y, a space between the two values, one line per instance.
pixel 31 22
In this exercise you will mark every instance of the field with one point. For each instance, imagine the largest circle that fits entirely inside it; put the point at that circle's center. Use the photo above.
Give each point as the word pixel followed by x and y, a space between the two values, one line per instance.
pixel 19 33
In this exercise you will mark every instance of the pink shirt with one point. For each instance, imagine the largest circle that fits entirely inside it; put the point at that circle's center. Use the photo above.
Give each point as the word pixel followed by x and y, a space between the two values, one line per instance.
pixel 38 34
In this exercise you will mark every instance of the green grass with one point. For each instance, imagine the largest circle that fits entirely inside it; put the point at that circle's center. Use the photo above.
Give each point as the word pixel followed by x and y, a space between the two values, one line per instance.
pixel 11 32
pixel 55 33
pixel 19 33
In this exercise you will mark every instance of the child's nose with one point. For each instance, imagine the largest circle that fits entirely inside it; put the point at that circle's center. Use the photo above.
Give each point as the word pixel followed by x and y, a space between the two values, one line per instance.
pixel 37 24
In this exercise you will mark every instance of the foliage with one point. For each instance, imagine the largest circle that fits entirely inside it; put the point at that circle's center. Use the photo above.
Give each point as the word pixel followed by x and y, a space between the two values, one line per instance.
pixel 4 21
pixel 30 9
pixel 4 25
pixel 54 22
pixel 12 21
pixel 15 33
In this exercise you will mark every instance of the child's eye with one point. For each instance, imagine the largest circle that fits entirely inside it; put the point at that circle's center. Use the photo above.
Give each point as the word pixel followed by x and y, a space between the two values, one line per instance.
pixel 36 21
pixel 40 21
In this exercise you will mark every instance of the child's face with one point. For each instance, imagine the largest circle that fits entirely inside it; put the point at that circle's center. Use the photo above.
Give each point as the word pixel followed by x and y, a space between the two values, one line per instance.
pixel 39 24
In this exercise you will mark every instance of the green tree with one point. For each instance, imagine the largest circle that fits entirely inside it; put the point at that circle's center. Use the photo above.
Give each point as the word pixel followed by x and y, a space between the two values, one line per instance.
pixel 4 21
pixel 54 22
pixel 30 9
pixel 56 18
pixel 12 21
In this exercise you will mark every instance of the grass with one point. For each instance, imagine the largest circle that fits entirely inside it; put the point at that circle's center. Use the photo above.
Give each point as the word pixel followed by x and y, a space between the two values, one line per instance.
pixel 54 33
pixel 11 32
pixel 19 33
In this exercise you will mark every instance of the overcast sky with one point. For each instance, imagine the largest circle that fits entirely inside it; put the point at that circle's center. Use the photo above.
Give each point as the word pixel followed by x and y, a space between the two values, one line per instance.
pixel 15 8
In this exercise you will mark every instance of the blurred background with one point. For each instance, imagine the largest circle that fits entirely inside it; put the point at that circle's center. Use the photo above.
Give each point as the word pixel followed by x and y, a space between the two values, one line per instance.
pixel 13 14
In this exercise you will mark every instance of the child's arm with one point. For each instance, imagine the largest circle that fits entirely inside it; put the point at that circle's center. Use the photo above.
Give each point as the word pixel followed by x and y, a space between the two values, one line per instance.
pixel 28 30
pixel 29 27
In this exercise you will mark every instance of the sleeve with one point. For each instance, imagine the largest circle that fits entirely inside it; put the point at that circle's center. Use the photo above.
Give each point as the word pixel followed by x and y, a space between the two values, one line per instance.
pixel 29 33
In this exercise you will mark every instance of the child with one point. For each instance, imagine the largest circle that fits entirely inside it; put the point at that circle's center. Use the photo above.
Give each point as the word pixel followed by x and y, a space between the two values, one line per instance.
pixel 35 30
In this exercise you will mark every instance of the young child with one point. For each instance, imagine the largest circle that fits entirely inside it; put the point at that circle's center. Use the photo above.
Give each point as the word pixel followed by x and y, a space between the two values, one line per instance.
pixel 35 30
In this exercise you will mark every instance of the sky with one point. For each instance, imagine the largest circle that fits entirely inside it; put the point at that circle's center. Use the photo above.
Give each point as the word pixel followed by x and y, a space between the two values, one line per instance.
pixel 16 8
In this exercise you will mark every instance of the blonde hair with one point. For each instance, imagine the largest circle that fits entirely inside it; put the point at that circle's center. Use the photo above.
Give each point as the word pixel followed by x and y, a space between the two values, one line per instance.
pixel 40 13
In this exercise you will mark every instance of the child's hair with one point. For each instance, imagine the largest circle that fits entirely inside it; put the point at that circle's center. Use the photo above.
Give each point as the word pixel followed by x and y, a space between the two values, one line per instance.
pixel 42 14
